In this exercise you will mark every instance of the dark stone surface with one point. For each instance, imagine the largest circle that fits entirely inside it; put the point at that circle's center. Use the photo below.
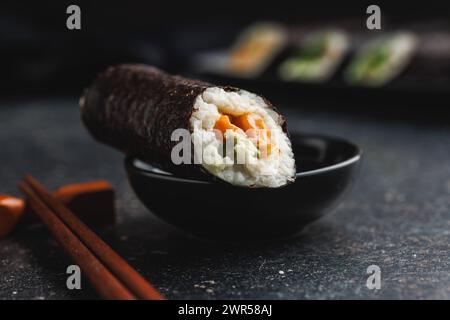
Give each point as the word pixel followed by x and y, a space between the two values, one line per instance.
pixel 397 217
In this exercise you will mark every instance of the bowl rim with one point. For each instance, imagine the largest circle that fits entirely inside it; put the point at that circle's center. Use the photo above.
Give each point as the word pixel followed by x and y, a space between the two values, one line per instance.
pixel 130 161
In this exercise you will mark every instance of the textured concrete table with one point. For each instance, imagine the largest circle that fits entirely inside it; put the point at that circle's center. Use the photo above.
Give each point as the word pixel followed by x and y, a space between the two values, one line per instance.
pixel 397 217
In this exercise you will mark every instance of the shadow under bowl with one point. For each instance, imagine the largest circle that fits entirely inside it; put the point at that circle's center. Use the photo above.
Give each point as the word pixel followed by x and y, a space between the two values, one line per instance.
pixel 325 168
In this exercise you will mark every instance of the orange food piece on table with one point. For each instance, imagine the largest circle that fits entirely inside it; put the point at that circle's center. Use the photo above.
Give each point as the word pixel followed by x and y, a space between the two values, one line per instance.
pixel 11 210
pixel 93 202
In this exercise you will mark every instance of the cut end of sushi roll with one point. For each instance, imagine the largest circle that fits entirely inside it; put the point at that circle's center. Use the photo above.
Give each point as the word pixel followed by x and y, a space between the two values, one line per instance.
pixel 240 138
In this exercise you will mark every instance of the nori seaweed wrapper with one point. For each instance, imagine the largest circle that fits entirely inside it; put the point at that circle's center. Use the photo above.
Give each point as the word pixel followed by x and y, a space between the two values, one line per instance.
pixel 135 108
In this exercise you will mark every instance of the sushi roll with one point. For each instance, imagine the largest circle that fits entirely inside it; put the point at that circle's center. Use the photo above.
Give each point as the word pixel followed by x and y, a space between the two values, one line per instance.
pixel 255 49
pixel 382 60
pixel 319 57
pixel 236 136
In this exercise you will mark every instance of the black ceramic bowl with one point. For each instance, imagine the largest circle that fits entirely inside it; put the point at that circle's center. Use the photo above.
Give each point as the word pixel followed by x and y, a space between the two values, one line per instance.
pixel 325 166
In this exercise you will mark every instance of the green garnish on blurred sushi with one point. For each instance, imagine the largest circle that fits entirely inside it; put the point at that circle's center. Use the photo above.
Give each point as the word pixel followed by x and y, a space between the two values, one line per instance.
pixel 381 60
pixel 369 64
pixel 318 58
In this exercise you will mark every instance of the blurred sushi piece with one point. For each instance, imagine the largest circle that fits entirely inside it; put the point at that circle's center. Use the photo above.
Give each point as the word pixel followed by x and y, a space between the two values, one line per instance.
pixel 255 49
pixel 382 59
pixel 318 58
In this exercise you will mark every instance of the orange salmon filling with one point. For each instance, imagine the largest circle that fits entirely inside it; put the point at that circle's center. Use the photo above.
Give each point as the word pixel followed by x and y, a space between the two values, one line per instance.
pixel 253 126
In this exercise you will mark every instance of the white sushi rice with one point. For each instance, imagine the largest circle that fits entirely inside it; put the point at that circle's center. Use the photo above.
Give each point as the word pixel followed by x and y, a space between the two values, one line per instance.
pixel 274 170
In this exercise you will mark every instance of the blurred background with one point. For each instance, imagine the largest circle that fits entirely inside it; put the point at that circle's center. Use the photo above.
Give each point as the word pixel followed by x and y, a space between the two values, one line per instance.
pixel 315 51
pixel 387 90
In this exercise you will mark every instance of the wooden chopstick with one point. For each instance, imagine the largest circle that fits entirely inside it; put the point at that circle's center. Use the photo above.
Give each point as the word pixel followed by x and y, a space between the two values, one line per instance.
pixel 101 278
pixel 125 274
